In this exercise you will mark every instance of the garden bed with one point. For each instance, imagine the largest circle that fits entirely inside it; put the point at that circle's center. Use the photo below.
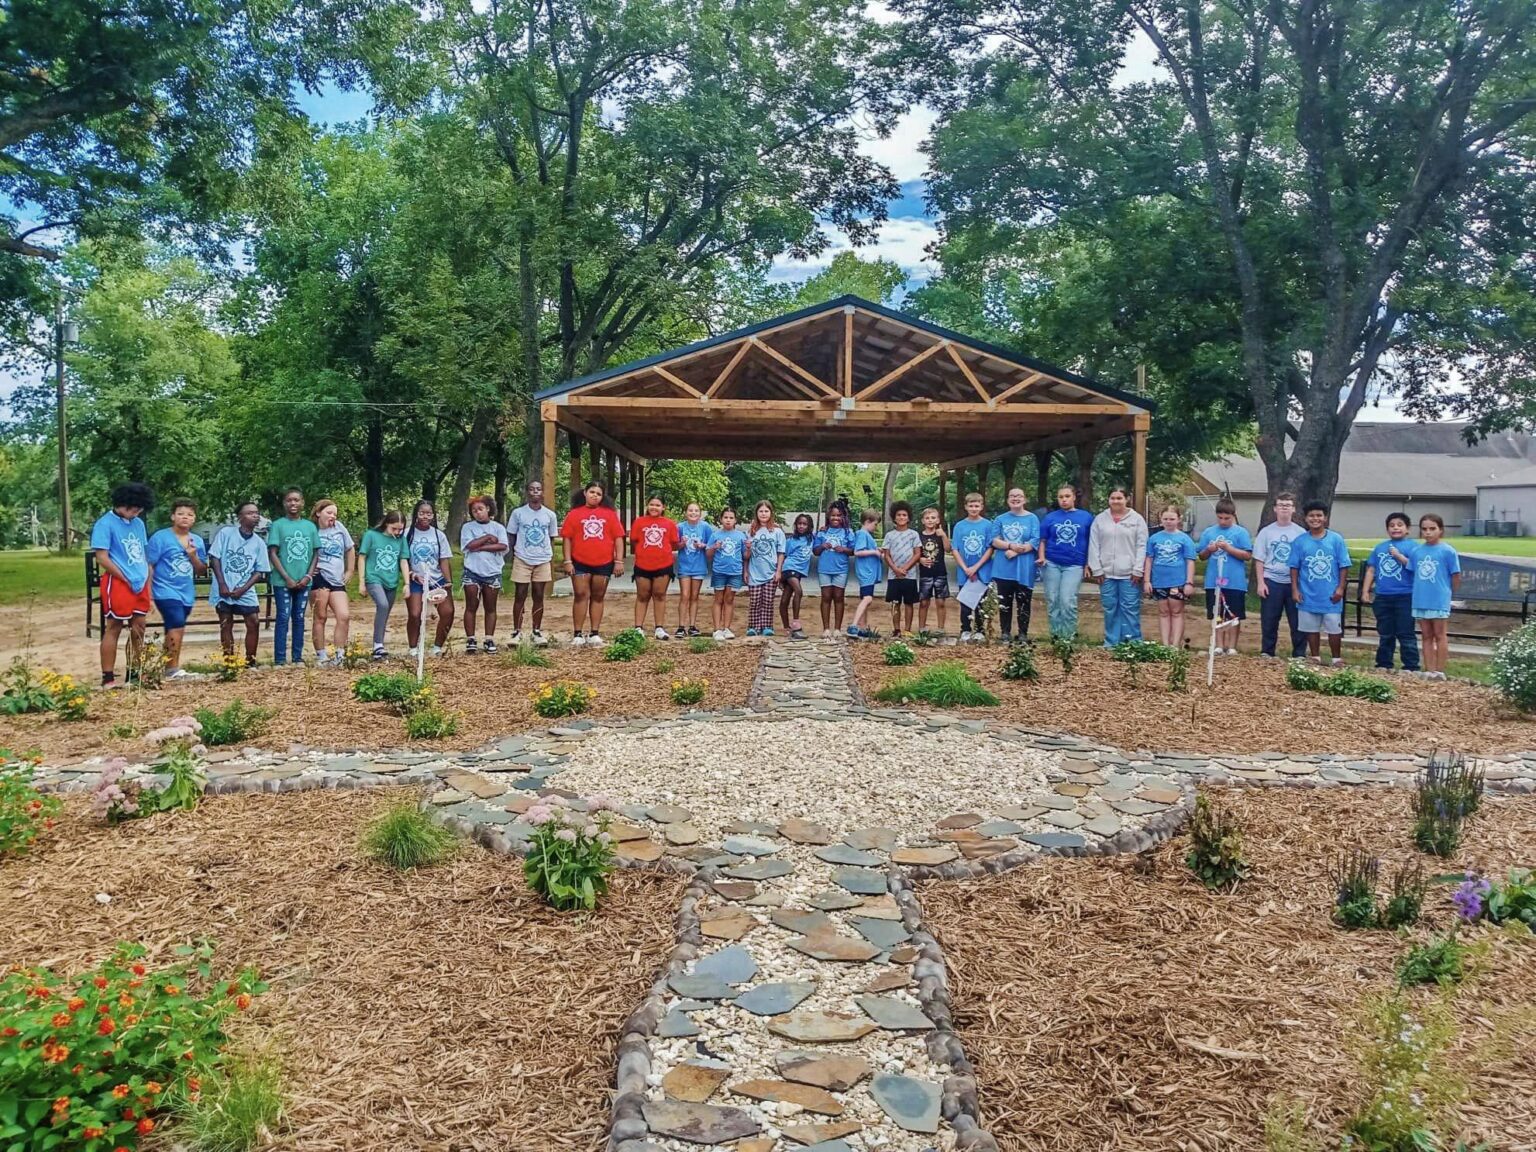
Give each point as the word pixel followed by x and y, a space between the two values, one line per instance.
pixel 1085 990
pixel 1248 710
pixel 446 1008
pixel 314 707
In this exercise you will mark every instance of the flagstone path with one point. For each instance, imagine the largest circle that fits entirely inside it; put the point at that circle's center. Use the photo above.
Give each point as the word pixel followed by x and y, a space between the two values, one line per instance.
pixel 805 1004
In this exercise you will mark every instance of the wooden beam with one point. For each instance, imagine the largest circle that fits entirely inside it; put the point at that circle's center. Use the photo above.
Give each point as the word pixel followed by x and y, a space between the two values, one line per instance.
pixel 792 366
pixel 789 381
pixel 965 370
pixel 936 408
pixel 609 473
pixel 1028 381
pixel 901 370
pixel 725 373
pixel 551 454
pixel 574 423
pixel 1139 471
pixel 848 351
pixel 1067 439
pixel 943 477
pixel 679 381
pixel 593 472
pixel 1043 479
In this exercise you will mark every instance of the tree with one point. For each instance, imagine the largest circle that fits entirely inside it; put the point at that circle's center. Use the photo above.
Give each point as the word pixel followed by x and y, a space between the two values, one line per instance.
pixel 681 482
pixel 1359 171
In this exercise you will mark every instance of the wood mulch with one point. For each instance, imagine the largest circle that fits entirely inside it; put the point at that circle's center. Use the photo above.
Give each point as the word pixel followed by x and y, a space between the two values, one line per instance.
pixel 315 706
pixel 1085 990
pixel 1249 709
pixel 443 1009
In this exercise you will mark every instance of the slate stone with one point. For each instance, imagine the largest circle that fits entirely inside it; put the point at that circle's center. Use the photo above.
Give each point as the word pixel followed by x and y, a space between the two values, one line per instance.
pixel 873 839
pixel 734 889
pixel 999 828
pixel 889 981
pixel 643 850
pixel 1054 839
pixel 880 933
pixel 894 1015
pixel 1155 795
pixel 806 832
pixel 802 921
pixel 830 901
pixel 699 1123
pixel 701 987
pixel 734 965
pixel 1017 812
pixel 528 783
pixel 774 999
pixel 960 820
pixel 675 1024
pixel 879 908
pixel 834 946
pixel 842 854
pixel 1134 807
pixel 834 1073
pixel 826 1136
pixel 859 881
pixel 1054 803
pixel 694 1083
pixel 1103 825
pixel 668 814
pixel 771 898
pixel 986 848
pixel 622 832
pixel 928 856
pixel 1064 819
pixel 913 1104
pixel 682 834
pixel 1076 790
pixel 759 870
pixel 748 846
pixel 750 828
pixel 732 925
pixel 812 1027
pixel 807 1096
pixel 831 1146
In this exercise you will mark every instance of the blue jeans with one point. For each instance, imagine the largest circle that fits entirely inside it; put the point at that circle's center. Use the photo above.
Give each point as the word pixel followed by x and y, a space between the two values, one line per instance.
pixel 1061 584
pixel 1394 624
pixel 1122 610
pixel 1278 603
pixel 291 603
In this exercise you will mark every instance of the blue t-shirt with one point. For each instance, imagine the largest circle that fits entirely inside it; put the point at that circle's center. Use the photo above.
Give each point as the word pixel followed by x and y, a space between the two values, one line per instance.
pixel 1066 537
pixel 1433 566
pixel 1171 553
pixel 1392 578
pixel 1220 569
pixel 241 556
pixel 971 539
pixel 173 575
pixel 693 539
pixel 867 568
pixel 123 542
pixel 730 546
pixel 797 554
pixel 1023 530
pixel 831 563
pixel 766 548
pixel 1318 564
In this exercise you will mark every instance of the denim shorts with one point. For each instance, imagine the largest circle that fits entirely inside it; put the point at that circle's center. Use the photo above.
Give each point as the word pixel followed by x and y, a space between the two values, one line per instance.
pixel 1331 623
pixel 720 580
pixel 1418 613
pixel 174 613
pixel 480 581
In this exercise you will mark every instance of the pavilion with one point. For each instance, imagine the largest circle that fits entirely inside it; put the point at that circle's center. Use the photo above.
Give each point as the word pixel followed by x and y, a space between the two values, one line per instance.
pixel 848 380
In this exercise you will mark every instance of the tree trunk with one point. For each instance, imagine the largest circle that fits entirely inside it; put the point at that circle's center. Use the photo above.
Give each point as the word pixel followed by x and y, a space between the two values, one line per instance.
pixel 528 325
pixel 1085 455
pixel 890 489
pixel 1311 470
pixel 468 464
pixel 828 486
pixel 373 468
pixel 501 477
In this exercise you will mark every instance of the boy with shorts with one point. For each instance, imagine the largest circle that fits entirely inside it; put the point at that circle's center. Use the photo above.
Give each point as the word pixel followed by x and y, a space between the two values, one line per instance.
pixel 176 559
pixel 238 559
pixel 122 557
pixel 1226 549
pixel 867 568
pixel 1319 569
pixel 932 569
pixel 483 542
pixel 900 549
pixel 532 529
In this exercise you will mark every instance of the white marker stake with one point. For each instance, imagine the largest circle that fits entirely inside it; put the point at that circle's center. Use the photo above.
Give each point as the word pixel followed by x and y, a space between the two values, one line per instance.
pixel 1217 623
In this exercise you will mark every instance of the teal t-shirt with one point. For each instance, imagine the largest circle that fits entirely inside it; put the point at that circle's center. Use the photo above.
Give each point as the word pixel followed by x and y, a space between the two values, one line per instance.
pixel 381 554
pixel 295 542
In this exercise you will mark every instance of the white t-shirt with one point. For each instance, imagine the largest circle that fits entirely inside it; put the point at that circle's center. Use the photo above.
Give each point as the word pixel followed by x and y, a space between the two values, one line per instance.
pixel 535 530
pixel 1272 549
pixel 426 550
pixel 482 563
pixel 334 542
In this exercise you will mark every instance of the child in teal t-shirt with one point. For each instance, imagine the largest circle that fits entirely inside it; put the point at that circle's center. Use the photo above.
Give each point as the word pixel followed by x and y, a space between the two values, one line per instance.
pixel 868 564
pixel 1170 574
pixel 381 551
pixel 1436 580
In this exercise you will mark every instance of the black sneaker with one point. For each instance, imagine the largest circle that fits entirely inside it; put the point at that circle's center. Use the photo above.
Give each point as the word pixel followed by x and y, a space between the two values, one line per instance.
pixel 490 647
pixel 380 654
pixel 470 647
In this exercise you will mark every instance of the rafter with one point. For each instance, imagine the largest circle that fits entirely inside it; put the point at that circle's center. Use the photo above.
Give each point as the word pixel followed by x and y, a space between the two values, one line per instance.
pixel 1013 389
pixel 901 370
pixel 679 381
pixel 965 370
pixel 551 411
pixel 792 366
pixel 725 373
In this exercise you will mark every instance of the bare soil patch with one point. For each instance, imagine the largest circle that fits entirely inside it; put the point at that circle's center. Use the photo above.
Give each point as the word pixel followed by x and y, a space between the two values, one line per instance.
pixel 1081 985
pixel 442 1009
pixel 1249 709
pixel 315 707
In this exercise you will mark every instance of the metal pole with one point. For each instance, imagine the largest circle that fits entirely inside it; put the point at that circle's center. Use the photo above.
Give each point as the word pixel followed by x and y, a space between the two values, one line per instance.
pixel 66 535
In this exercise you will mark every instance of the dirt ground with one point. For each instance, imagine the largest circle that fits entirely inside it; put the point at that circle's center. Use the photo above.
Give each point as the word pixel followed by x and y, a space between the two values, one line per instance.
pixel 445 1009
pixel 1083 988
pixel 1248 709
pixel 315 707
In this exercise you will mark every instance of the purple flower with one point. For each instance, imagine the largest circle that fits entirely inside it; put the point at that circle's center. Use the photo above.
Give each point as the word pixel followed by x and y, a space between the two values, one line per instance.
pixel 1469 895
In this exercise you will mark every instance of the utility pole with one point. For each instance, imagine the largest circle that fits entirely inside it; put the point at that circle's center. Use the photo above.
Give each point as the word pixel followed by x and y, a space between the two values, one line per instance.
pixel 62 334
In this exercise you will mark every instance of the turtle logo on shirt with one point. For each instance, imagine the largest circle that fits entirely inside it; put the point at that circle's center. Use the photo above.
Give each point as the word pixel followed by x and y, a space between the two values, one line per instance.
pixel 534 534
pixel 762 545
pixel 972 545
pixel 1168 551
pixel 1013 532
pixel 238 564
pixel 1066 532
pixel 652 535
pixel 1428 567
pixel 424 552
pixel 592 528
pixel 1390 568
pixel 330 547
pixel 1280 553
pixel 388 555
pixel 728 546
pixel 180 565
pixel 295 549
pixel 133 548
pixel 1320 566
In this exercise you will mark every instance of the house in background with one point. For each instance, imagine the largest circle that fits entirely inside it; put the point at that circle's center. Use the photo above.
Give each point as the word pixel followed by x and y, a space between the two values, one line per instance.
pixel 1413 468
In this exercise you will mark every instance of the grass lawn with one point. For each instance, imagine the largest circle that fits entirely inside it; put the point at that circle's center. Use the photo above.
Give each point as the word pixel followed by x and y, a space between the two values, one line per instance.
pixel 1484 545
pixel 46 575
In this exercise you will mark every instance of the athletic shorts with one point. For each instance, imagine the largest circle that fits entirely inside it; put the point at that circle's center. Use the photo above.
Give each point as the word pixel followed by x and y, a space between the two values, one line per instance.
pixel 866 591
pixel 1233 599
pixel 122 602
pixel 933 588
pixel 526 573
pixel 224 608
pixel 653 573
pixel 832 579
pixel 592 569
pixel 1331 623
pixel 902 590
pixel 417 588
pixel 1431 613
pixel 1176 593
pixel 173 613
pixel 480 581
pixel 720 580
pixel 786 579
pixel 320 582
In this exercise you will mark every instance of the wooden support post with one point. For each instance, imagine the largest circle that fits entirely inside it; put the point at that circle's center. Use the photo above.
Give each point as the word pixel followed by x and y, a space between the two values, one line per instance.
pixel 959 496
pixel 1009 465
pixel 847 350
pixel 1139 470
pixel 551 457
pixel 1085 455
pixel 981 485
pixel 621 499
pixel 1043 479
pixel 611 479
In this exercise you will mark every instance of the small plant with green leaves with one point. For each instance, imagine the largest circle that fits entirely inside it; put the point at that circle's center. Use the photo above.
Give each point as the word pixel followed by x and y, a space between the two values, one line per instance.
pixel 148 671
pixel 1440 804
pixel 898 655
pixel 236 723
pixel 699 645
pixel 1513 667
pixel 1178 670
pixel 1215 846
pixel 556 698
pixel 1441 960
pixel 24 689
pixel 1348 682
pixel 664 667
pixel 1410 1090
pixel 570 853
pixel 228 667
pixel 1512 900
pixel 1405 900
pixel 123 730
pixel 984 619
pixel 1066 650
pixel 1302 677
pixel 944 685
pixel 384 687
pixel 1451 775
pixel 237 1109
pixel 25 813
pixel 1354 876
pixel 354 656
pixel 525 654
pixel 1019 664
pixel 180 742
pixel 626 646
pixel 689 690
pixel 923 638
pixel 405 837
pixel 431 721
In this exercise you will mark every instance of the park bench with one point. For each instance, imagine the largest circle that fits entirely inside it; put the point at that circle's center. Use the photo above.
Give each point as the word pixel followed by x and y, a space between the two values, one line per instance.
pixel 1490 586
pixel 203 614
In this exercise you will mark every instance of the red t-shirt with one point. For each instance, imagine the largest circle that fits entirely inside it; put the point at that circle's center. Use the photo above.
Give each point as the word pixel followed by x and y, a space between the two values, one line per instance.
pixel 590 532
pixel 655 540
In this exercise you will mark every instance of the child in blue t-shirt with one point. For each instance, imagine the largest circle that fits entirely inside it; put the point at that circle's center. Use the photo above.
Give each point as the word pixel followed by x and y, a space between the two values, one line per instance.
pixel 1319 570
pixel 1226 547
pixel 694 536
pixel 1015 539
pixel 176 558
pixel 1436 580
pixel 118 540
pixel 1387 586
pixel 972 543
pixel 727 547
pixel 868 564
pixel 1170 575
pixel 832 546
pixel 797 566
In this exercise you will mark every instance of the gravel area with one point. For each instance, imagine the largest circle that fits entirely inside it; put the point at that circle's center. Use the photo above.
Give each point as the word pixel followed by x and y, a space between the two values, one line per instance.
pixel 845 773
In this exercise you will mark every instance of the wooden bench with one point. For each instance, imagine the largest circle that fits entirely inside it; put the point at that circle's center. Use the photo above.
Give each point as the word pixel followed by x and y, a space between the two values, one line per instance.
pixel 96 612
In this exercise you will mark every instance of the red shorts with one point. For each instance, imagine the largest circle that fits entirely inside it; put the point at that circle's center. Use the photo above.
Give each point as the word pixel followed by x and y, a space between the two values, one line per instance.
pixel 122 602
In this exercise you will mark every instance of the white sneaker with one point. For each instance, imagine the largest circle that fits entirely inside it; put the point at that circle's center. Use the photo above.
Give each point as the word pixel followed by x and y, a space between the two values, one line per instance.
pixel 661 634
pixel 728 635
pixel 539 639
pixel 578 640
pixel 178 674
pixel 594 640
pixel 965 637
pixel 719 634
pixel 517 636
pixel 412 653
pixel 437 649
pixel 1230 652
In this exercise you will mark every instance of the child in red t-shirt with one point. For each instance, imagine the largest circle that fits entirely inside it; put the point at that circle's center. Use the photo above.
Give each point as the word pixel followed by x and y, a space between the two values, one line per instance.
pixel 594 538
pixel 656 541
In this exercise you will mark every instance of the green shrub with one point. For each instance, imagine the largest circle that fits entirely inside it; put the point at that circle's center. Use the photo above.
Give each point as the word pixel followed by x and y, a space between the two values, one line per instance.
pixel 426 718
pixel 556 698
pixel 405 837
pixel 1410 1088
pixel 1019 664
pixel 1513 899
pixel 1215 846
pixel 524 654
pixel 1439 961
pixel 238 1109
pixel 699 645
pixel 898 655
pixel 1406 899
pixel 93 1061
pixel 1441 801
pixel 1178 670
pixel 1344 682
pixel 1066 649
pixel 384 687
pixel 570 853
pixel 1303 677
pixel 626 646
pixel 1513 667
pixel 1354 882
pixel 946 685
pixel 29 690
pixel 237 723
pixel 25 813
pixel 664 667
pixel 1141 652
pixel 689 691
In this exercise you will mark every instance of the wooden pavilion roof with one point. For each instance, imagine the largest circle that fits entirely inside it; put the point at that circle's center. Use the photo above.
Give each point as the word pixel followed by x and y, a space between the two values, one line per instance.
pixel 844 380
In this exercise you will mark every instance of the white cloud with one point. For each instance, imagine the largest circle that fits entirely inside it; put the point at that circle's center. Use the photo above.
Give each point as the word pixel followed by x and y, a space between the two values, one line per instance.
pixel 901 151
pixel 903 240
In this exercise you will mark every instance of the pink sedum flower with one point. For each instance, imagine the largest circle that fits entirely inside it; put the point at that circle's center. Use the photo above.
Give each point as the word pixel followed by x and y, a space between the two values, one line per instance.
pixel 566 834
